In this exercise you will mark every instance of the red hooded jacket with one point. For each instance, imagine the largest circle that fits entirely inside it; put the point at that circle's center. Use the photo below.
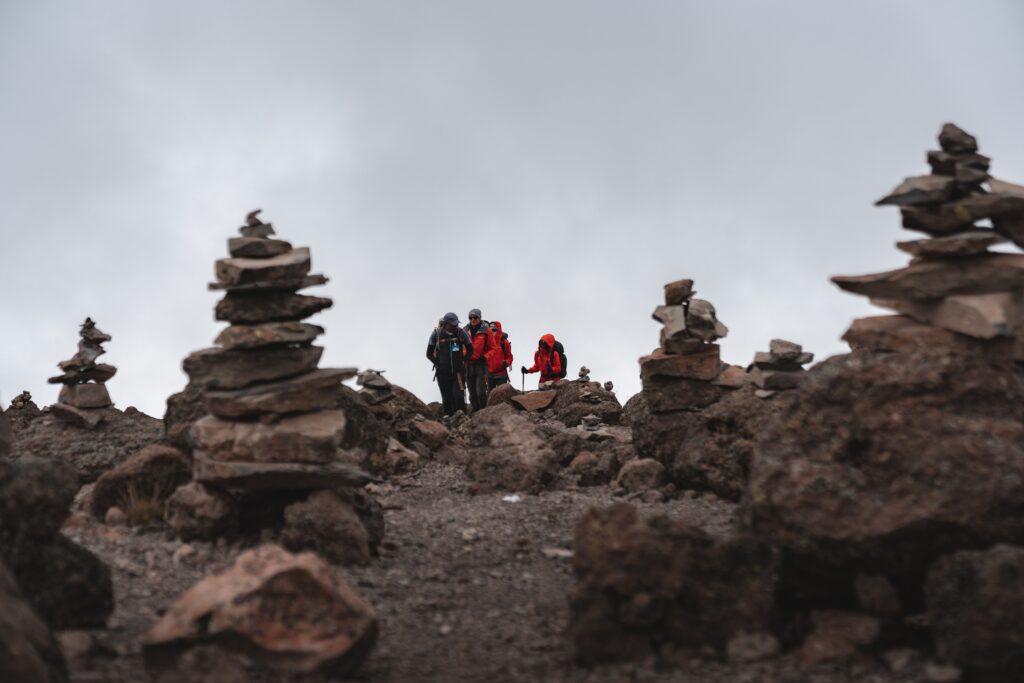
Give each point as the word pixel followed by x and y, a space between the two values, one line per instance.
pixel 483 342
pixel 547 361
pixel 499 358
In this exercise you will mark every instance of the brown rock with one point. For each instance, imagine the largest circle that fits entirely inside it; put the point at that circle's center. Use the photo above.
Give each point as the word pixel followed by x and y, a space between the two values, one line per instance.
pixel 641 475
pixel 776 380
pixel 316 390
pixel 284 285
pixel 233 369
pixel 195 512
pixel 430 432
pixel 782 350
pixel 959 216
pixel 925 189
pixel 681 345
pixel 501 394
pixel 975 603
pixel 28 651
pixel 702 323
pixel 268 334
pixel 939 279
pixel 642 584
pixel 664 394
pixel 576 400
pixel 586 466
pixel 674 320
pixel 876 594
pixel 183 408
pixel 99 372
pixel 732 377
pixel 240 271
pixel 983 316
pixel 508 451
pixel 301 438
pixel 84 395
pixel 703 365
pixel 151 475
pixel 288 612
pixel 328 526
pixel 87 419
pixel 961 244
pixel 946 163
pixel 954 139
pixel 678 292
pixel 534 401
pixel 257 247
pixel 901 334
pixel 268 306
pixel 273 476
pixel 837 635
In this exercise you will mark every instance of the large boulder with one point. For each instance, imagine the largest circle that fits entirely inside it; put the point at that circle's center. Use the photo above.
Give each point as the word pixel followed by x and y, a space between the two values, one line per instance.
pixel 290 613
pixel 329 526
pixel 195 512
pixel 975 605
pixel 644 585
pixel 183 408
pixel 881 463
pixel 576 399
pixel 28 651
pixel 149 478
pixel 508 451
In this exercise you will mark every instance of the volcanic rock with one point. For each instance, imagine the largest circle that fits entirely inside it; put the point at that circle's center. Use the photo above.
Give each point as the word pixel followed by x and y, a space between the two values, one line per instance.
pixel 268 334
pixel 678 292
pixel 983 316
pixel 183 408
pixel 97 372
pixel 264 476
pixel 876 594
pixel 84 395
pixel 901 334
pixel 302 438
pixel 85 419
pixel 960 215
pixel 702 323
pixel 508 452
pixel 837 635
pixel 703 364
pixel 257 247
pixel 502 393
pixel 280 286
pixel 964 166
pixel 576 400
pixel 667 394
pixel 195 512
pixel 925 189
pixel 327 525
pixel 152 474
pixel 291 613
pixel 316 390
pixel 234 368
pixel 961 244
pixel 28 651
pixel 954 139
pixel 641 475
pixel 431 432
pixel 240 271
pixel 937 279
pixel 673 318
pixel 245 308
pixel 534 401
pixel 975 605
pixel 644 584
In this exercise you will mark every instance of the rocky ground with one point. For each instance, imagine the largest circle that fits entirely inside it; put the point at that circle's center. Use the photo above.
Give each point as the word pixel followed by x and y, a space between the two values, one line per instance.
pixel 468 587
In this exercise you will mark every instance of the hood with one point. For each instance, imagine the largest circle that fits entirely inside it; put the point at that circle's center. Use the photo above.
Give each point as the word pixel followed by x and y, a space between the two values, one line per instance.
pixel 498 325
pixel 550 339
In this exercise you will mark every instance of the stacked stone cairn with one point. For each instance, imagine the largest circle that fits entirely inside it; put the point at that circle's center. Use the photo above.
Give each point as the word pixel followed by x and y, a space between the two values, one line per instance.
pixel 955 296
pixel 686 372
pixel 274 421
pixel 84 395
pixel 780 368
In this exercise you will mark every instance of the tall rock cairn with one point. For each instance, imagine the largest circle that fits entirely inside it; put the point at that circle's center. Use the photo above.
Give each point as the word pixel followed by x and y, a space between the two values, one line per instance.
pixel 955 295
pixel 685 372
pixel 84 391
pixel 274 421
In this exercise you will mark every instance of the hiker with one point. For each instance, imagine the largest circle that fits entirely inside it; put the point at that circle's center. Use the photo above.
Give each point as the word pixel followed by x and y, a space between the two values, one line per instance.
pixel 476 369
pixel 547 360
pixel 499 358
pixel 447 350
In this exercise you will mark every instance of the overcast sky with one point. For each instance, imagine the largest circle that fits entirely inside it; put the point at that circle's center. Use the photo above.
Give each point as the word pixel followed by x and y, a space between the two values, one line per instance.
pixel 552 163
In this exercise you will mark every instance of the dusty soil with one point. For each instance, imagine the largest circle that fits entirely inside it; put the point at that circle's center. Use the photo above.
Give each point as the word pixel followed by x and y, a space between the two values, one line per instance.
pixel 464 588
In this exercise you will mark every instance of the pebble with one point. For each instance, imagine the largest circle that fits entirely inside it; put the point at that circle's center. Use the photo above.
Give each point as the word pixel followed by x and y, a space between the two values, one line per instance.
pixel 184 552
pixel 941 673
pixel 115 517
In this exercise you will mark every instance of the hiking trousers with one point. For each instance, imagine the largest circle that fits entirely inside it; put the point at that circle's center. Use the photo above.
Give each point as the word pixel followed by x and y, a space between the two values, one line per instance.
pixel 476 378
pixel 497 380
pixel 451 397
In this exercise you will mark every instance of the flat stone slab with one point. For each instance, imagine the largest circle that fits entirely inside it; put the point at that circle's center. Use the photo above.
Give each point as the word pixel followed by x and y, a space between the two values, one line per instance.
pixel 960 215
pixel 267 476
pixel 289 284
pixel 924 189
pixel 770 361
pixel 679 291
pixel 240 271
pixel 87 419
pixel 941 278
pixel 984 316
pixel 317 390
pixel 673 317
pixel 902 334
pixel 268 306
pixel 961 244
pixel 268 334
pixel 732 376
pixel 953 164
pixel 704 364
pixel 84 395
pixel 236 368
pixel 257 247
pixel 100 372
pixel 308 438
pixel 533 401
pixel 669 394
pixel 775 380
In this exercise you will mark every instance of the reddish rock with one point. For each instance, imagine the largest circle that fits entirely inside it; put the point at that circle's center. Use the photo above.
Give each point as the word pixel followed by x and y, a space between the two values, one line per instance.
pixel 703 364
pixel 86 419
pixel 641 475
pixel 316 390
pixel 240 271
pixel 234 369
pixel 257 247
pixel 152 474
pixel 328 526
pixel 195 512
pixel 837 635
pixel 644 584
pixel 666 394
pixel 431 432
pixel 901 334
pixel 84 395
pixel 502 393
pixel 301 438
pixel 925 189
pixel 577 399
pixel 679 291
pixel 938 279
pixel 270 476
pixel 183 408
pixel 732 377
pixel 587 467
pixel 267 334
pixel 975 603
pixel 508 452
pixel 241 308
pixel 982 316
pixel 534 401
pixel 961 244
pixel 290 613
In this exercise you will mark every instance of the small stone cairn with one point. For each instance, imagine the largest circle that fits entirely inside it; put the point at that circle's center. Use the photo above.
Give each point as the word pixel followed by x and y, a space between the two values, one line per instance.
pixel 955 296
pixel 274 421
pixel 686 372
pixel 780 368
pixel 84 395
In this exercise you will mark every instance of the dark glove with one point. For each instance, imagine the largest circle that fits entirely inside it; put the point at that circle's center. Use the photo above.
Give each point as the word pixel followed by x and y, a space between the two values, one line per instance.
pixel 524 370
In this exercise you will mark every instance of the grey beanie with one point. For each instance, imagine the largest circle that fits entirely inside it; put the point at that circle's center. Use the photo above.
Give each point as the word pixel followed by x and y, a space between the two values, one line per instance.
pixel 475 313
pixel 450 318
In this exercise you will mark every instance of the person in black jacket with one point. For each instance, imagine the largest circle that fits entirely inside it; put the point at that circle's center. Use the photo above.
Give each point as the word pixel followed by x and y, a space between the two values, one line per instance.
pixel 447 350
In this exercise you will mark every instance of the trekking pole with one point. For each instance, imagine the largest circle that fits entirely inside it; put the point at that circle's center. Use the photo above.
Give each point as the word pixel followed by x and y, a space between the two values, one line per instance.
pixel 523 375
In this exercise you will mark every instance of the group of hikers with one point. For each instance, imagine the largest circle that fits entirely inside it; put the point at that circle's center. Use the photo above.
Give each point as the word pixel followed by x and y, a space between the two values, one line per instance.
pixel 478 357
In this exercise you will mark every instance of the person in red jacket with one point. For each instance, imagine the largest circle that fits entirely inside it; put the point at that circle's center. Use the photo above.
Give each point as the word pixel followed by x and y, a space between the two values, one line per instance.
pixel 499 358
pixel 546 360
pixel 479 332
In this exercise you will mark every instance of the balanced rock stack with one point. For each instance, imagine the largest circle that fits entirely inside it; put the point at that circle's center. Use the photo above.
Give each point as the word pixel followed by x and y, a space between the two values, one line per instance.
pixel 274 419
pixel 781 367
pixel 686 372
pixel 955 295
pixel 84 391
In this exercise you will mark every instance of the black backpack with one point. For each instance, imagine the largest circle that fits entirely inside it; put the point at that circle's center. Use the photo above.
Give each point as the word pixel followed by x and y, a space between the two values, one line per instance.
pixel 560 350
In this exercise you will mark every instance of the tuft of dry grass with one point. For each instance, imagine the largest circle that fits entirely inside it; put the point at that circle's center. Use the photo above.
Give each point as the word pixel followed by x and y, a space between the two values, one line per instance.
pixel 142 508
